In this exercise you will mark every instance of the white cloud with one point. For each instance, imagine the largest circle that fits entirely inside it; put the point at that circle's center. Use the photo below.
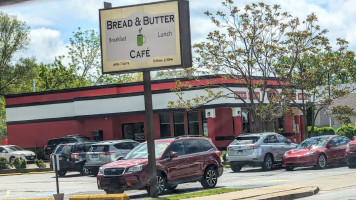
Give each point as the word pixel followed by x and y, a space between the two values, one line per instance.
pixel 45 45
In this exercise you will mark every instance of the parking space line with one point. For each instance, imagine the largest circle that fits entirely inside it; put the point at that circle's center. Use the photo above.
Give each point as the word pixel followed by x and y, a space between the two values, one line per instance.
pixel 273 181
pixel 7 193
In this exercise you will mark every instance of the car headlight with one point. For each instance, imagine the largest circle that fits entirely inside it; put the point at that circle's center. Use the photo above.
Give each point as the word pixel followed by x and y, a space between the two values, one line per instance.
pixel 137 168
pixel 101 171
pixel 311 153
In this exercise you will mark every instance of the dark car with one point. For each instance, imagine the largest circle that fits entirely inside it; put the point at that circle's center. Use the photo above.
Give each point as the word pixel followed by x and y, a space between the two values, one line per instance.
pixel 317 151
pixel 52 143
pixel 72 157
pixel 179 160
pixel 351 154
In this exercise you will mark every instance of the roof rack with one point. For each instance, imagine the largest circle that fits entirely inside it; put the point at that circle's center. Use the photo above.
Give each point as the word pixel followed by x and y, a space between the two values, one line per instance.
pixel 184 136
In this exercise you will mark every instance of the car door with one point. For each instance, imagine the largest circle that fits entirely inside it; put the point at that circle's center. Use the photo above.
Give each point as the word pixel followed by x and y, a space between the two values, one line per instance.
pixel 194 158
pixel 176 167
pixel 4 153
pixel 271 146
pixel 284 145
pixel 341 148
pixel 332 150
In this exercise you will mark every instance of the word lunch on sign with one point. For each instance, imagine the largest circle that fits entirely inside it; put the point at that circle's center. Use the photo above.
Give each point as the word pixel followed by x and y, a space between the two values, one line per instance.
pixel 145 20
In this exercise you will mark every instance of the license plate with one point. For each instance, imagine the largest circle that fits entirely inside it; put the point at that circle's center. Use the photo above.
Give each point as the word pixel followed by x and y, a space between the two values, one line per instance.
pixel 32 157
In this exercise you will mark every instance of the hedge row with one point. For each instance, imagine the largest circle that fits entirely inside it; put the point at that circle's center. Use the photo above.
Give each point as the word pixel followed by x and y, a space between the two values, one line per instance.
pixel 346 130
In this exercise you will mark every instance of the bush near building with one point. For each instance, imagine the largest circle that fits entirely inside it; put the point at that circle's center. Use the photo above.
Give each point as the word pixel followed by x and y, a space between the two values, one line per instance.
pixel 322 131
pixel 3 163
pixel 19 163
pixel 347 131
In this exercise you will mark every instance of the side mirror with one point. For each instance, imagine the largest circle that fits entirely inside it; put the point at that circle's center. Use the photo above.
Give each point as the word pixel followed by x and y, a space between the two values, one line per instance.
pixel 119 158
pixel 173 154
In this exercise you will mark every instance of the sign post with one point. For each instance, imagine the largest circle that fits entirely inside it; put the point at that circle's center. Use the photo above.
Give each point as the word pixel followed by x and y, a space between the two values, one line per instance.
pixel 55 161
pixel 141 38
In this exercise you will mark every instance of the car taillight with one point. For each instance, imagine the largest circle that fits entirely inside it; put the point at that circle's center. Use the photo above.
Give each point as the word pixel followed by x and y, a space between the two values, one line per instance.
pixel 74 155
pixel 254 147
pixel 218 152
pixel 45 147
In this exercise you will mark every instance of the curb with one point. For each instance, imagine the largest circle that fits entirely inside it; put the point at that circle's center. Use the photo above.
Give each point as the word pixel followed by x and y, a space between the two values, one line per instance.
pixel 10 172
pixel 293 194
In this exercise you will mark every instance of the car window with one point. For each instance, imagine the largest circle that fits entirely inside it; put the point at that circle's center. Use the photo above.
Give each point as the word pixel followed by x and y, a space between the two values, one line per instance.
pixel 282 139
pixel 343 141
pixel 192 146
pixel 123 145
pixel 334 142
pixel 59 149
pixel 178 147
pixel 2 150
pixel 245 140
pixel 271 139
pixel 205 144
pixel 78 148
pixel 87 147
pixel 99 148
pixel 67 149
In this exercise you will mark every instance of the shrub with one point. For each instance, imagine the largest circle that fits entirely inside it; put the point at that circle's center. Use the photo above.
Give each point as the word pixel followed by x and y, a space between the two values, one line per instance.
pixel 40 163
pixel 223 155
pixel 3 163
pixel 19 163
pixel 326 131
pixel 316 130
pixel 347 131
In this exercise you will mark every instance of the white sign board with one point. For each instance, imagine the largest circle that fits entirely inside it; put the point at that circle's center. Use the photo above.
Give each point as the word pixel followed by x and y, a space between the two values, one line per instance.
pixel 137 37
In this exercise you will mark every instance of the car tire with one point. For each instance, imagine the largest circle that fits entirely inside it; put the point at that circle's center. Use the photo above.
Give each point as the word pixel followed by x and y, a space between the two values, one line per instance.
pixel 289 168
pixel 11 159
pixel 172 186
pixel 62 173
pixel 321 162
pixel 235 167
pixel 161 184
pixel 84 171
pixel 210 178
pixel 267 162
pixel 115 191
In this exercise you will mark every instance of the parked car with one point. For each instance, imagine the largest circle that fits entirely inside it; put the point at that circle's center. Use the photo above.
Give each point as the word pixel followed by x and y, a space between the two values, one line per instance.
pixel 72 157
pixel 11 152
pixel 317 151
pixel 257 149
pixel 351 154
pixel 179 160
pixel 107 151
pixel 52 143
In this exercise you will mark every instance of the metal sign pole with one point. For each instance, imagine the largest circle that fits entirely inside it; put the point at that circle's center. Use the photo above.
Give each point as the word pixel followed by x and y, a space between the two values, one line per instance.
pixel 150 137
pixel 56 165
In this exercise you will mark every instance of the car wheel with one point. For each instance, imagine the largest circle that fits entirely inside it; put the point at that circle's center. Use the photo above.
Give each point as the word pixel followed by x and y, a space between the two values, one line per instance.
pixel 161 183
pixel 62 173
pixel 267 162
pixel 115 191
pixel 235 167
pixel 172 186
pixel 289 168
pixel 321 162
pixel 210 178
pixel 84 171
pixel 11 159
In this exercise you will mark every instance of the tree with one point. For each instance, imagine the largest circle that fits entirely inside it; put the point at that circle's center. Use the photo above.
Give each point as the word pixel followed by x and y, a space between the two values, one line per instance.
pixel 247 47
pixel 13 38
pixel 343 114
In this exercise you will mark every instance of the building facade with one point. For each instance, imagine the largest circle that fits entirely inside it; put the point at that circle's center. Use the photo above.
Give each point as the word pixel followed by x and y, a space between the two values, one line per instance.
pixel 117 112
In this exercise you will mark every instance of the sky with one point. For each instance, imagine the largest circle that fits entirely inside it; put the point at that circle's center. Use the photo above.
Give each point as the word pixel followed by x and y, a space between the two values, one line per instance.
pixel 52 22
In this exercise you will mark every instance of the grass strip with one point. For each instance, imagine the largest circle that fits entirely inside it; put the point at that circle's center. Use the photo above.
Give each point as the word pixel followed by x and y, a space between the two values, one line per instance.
pixel 200 194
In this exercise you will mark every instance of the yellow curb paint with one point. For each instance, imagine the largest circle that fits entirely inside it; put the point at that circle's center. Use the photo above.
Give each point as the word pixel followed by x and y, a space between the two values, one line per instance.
pixel 47 172
pixel 46 198
pixel 100 197
pixel 308 173
pixel 273 181
pixel 10 174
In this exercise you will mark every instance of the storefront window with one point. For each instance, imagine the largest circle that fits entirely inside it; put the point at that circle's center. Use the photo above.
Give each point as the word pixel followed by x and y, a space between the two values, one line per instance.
pixel 178 119
pixel 164 125
pixel 245 120
pixel 135 131
pixel 193 123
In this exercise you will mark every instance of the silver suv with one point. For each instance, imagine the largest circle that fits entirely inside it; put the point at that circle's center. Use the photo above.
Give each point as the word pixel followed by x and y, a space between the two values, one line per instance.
pixel 105 152
pixel 257 149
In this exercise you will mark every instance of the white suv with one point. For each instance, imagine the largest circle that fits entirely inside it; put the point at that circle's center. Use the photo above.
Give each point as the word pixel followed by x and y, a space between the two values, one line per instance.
pixel 105 152
pixel 257 149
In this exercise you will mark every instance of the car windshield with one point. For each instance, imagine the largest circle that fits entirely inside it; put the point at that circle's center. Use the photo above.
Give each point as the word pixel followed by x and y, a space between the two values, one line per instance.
pixel 141 151
pixel 99 148
pixel 245 140
pixel 59 149
pixel 13 148
pixel 312 143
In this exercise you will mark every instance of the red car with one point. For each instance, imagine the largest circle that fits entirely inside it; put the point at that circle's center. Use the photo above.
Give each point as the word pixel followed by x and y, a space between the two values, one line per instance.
pixel 351 154
pixel 179 160
pixel 317 151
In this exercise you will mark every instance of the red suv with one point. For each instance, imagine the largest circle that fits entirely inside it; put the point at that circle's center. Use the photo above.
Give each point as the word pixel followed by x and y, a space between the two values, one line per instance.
pixel 351 154
pixel 179 160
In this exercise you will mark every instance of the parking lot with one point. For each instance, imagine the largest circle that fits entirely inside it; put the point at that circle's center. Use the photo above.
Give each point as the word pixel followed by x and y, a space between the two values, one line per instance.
pixel 43 185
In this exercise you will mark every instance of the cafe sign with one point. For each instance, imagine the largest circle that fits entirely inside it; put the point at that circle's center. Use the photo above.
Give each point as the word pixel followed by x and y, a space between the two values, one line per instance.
pixel 145 36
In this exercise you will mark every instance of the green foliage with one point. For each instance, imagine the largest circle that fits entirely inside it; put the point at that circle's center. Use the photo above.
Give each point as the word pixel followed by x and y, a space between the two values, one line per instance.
pixel 326 131
pixel 19 163
pixel 223 155
pixel 40 163
pixel 343 114
pixel 347 131
pixel 3 163
pixel 3 129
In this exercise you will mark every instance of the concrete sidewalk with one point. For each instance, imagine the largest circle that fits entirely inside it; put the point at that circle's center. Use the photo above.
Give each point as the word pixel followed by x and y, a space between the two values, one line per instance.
pixel 289 191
